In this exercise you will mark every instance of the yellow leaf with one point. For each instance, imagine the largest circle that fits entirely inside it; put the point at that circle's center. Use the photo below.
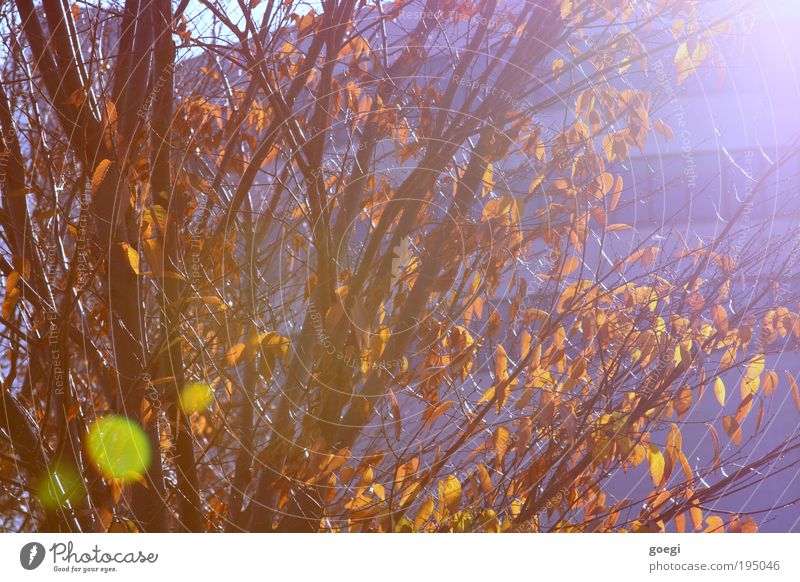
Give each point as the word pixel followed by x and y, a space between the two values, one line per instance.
pixel 755 367
pixel 488 179
pixel 366 477
pixel 274 343
pixel 132 256
pixel 155 255
pixel 615 194
pixel 423 514
pixel 501 438
pixel 570 265
pixel 638 454
pixel 566 9
pixel 500 363
pixel 719 391
pixel 234 355
pixel 410 492
pixel 449 494
pixel 656 461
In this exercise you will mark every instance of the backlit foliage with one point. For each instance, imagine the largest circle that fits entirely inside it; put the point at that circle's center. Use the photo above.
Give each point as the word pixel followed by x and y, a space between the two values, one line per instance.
pixel 340 269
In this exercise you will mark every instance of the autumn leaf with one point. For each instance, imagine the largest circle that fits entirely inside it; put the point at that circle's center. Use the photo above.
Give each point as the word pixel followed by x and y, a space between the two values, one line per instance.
pixel 423 514
pixel 683 401
pixel 719 391
pixel 132 257
pixel 234 355
pixel 656 461
pixel 12 294
pixel 770 382
pixel 99 175
pixel 696 514
pixel 488 179
pixel 795 392
pixel 715 524
pixel 449 495
pixel 665 130
pixel 501 439
pixel 398 420
pixel 749 526
pixel 732 429
pixel 715 441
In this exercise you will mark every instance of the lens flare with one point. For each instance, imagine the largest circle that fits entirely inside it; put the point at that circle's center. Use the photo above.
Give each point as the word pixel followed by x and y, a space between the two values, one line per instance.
pixel 119 448
pixel 60 486
pixel 196 397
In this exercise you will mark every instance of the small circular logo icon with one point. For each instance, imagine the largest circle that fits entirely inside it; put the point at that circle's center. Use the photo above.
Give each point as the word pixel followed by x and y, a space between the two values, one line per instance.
pixel 31 555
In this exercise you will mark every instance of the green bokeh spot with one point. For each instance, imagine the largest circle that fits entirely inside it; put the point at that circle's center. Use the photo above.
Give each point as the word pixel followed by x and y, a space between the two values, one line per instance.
pixel 196 397
pixel 119 448
pixel 60 486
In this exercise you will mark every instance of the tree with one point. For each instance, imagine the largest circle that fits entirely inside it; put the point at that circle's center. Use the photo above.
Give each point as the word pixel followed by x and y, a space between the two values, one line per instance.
pixel 282 276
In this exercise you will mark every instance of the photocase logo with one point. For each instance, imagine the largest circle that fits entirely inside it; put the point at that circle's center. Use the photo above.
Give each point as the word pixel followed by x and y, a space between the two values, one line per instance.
pixel 31 555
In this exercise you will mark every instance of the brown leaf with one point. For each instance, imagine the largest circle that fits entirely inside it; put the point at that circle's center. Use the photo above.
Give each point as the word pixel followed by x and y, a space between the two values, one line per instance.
pixel 732 429
pixel 683 401
pixel 715 441
pixel 397 422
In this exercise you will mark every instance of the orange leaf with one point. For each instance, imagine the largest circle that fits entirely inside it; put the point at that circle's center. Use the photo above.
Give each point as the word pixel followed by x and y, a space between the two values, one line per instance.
pixel 697 516
pixel 680 522
pixel 795 392
pixel 770 382
pixel 99 175
pixel 749 526
pixel 715 524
